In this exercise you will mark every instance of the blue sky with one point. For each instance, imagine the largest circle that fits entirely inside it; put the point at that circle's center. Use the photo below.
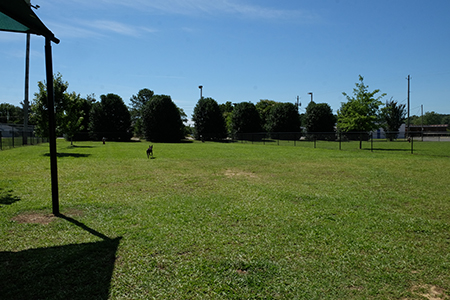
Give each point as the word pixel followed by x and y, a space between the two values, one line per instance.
pixel 240 50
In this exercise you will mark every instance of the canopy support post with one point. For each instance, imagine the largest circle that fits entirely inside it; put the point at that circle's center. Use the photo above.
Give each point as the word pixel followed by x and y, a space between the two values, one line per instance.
pixel 52 125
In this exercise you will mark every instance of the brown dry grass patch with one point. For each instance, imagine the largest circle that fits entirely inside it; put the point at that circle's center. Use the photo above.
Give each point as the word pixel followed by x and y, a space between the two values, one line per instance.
pixel 234 173
pixel 429 292
pixel 43 218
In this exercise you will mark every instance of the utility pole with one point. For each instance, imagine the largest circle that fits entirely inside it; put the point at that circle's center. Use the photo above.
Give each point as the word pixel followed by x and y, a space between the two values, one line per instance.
pixel 421 112
pixel 298 104
pixel 409 132
pixel 26 102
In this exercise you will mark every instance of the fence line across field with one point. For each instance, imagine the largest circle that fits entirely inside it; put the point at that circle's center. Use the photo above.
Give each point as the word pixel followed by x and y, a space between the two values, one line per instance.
pixel 343 140
pixel 13 135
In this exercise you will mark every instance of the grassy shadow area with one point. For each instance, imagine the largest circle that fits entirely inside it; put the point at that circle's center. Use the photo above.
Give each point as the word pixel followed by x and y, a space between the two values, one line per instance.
pixel 62 154
pixel 79 271
pixel 75 271
pixel 7 197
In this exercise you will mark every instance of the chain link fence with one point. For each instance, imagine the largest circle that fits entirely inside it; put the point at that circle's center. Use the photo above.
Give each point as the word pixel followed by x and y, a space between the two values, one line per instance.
pixel 14 135
pixel 372 141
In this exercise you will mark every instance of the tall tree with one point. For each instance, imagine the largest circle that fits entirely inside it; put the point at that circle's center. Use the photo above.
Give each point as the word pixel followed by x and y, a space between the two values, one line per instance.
pixel 86 107
pixel 39 108
pixel 10 114
pixel 392 117
pixel 430 118
pixel 283 117
pixel 227 111
pixel 360 113
pixel 319 118
pixel 137 104
pixel 110 118
pixel 245 118
pixel 264 107
pixel 209 120
pixel 73 115
pixel 162 120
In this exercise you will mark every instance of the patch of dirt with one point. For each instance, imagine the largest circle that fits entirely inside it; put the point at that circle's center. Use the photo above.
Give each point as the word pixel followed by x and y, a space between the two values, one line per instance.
pixel 43 218
pixel 232 173
pixel 430 292
pixel 34 218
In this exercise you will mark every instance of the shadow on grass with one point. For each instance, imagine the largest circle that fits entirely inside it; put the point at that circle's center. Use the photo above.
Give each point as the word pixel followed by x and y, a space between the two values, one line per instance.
pixel 7 198
pixel 76 146
pixel 384 149
pixel 76 155
pixel 78 271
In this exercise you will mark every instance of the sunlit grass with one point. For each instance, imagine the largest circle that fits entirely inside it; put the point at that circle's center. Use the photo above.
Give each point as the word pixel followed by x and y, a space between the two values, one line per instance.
pixel 242 221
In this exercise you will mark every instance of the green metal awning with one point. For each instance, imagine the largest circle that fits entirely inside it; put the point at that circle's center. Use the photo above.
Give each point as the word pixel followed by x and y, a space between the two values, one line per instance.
pixel 17 16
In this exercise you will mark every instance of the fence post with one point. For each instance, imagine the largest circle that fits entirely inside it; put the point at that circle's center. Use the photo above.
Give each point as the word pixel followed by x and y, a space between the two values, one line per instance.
pixel 412 144
pixel 340 140
pixel 314 142
pixel 12 133
pixel 371 142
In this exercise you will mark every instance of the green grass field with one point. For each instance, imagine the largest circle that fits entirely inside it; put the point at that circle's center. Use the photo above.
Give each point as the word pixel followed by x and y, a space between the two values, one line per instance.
pixel 226 221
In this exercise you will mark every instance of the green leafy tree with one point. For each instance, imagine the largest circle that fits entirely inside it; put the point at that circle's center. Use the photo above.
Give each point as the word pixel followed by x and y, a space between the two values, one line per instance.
pixel 11 114
pixel 392 117
pixel 429 118
pixel 73 115
pixel 110 118
pixel 245 119
pixel 162 120
pixel 319 118
pixel 209 121
pixel 283 117
pixel 86 107
pixel 227 112
pixel 445 119
pixel 264 107
pixel 39 108
pixel 360 113
pixel 137 104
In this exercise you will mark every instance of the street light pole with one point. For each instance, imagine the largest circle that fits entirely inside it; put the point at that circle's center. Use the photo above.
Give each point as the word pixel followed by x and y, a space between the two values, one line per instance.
pixel 201 90
pixel 310 93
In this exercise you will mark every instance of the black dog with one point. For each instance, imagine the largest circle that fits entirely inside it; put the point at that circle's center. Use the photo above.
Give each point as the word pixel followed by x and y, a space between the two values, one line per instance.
pixel 150 151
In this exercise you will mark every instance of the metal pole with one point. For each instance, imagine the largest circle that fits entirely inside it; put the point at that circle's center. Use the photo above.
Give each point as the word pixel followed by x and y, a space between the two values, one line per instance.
pixel 408 108
pixel 26 102
pixel 371 142
pixel 421 109
pixel 52 125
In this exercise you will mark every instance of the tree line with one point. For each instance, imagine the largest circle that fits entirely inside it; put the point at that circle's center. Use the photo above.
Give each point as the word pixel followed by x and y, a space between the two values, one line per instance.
pixel 158 119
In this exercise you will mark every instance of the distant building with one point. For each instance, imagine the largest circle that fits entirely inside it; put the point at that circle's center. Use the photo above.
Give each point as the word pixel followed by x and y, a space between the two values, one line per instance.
pixel 7 131
pixel 428 128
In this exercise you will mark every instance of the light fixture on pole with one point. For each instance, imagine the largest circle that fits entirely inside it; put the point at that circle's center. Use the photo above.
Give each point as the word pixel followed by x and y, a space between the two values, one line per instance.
pixel 310 93
pixel 201 90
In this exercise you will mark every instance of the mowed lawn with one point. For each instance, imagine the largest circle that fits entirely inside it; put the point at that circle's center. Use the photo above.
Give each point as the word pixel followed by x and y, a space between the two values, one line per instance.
pixel 225 221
